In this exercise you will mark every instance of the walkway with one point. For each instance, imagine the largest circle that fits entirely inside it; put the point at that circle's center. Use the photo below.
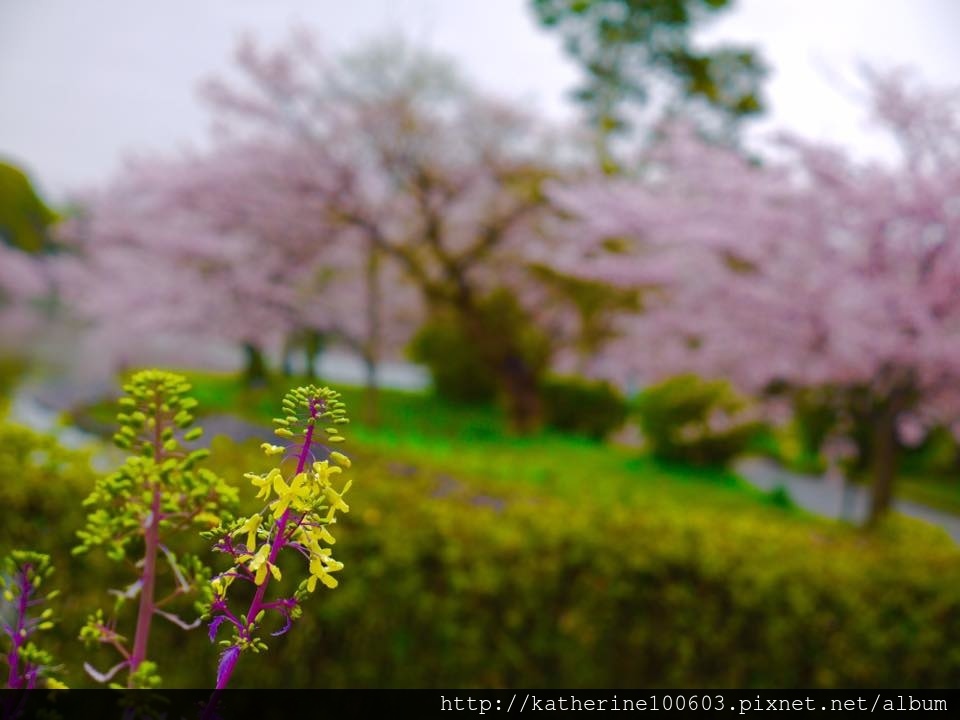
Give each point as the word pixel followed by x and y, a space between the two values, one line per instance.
pixel 826 497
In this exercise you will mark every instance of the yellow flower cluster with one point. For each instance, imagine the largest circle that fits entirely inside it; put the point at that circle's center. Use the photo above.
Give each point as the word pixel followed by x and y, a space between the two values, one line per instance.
pixel 306 493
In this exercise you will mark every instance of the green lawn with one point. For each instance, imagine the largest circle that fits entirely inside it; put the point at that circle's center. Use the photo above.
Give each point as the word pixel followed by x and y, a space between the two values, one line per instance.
pixel 418 432
pixel 942 493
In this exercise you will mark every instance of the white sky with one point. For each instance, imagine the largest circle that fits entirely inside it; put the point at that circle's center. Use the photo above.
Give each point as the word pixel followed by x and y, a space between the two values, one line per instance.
pixel 83 82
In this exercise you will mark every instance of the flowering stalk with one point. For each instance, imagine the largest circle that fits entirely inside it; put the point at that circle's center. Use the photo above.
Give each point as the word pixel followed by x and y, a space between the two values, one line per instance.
pixel 304 504
pixel 158 492
pixel 21 577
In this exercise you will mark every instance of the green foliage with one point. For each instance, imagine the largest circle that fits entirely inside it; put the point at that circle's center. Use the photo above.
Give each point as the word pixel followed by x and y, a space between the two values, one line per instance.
pixel 560 565
pixel 935 456
pixel 505 588
pixel 137 512
pixel 11 370
pixel 24 218
pixel 627 48
pixel 592 409
pixel 815 417
pixel 458 372
pixel 470 355
pixel 22 575
pixel 686 418
pixel 41 485
pixel 597 304
pixel 155 422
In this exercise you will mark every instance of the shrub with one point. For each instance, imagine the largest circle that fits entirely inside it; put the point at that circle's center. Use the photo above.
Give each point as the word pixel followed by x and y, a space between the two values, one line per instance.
pixel 936 455
pixel 458 373
pixel 486 587
pixel 688 419
pixel 42 487
pixel 469 367
pixel 592 409
pixel 531 592
pixel 11 372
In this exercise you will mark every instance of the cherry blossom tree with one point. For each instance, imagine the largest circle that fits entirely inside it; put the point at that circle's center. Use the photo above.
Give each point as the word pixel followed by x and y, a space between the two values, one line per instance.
pixel 441 184
pixel 198 246
pixel 817 272
pixel 24 284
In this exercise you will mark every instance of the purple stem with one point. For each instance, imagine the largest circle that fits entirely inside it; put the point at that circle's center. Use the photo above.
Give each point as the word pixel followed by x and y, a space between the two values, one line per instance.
pixel 15 680
pixel 229 661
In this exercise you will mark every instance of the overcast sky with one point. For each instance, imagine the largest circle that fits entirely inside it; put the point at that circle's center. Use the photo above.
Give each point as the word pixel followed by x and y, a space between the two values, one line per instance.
pixel 83 82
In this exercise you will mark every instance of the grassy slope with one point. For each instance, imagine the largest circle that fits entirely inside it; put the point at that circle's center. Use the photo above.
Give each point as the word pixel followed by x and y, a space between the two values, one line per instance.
pixel 937 492
pixel 422 432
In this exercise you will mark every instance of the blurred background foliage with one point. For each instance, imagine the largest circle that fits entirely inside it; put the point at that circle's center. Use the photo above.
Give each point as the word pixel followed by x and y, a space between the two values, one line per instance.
pixel 688 419
pixel 24 217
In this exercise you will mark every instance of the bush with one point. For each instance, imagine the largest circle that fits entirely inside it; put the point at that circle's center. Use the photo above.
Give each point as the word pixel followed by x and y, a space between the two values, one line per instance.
pixel 527 591
pixel 688 419
pixel 42 488
pixel 936 455
pixel 454 584
pixel 468 368
pixel 11 372
pixel 458 372
pixel 592 409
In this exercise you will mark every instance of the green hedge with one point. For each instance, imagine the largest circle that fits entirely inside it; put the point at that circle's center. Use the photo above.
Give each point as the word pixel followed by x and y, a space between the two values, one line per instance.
pixel 451 584
pixel 459 592
pixel 677 418
pixel 456 369
pixel 582 407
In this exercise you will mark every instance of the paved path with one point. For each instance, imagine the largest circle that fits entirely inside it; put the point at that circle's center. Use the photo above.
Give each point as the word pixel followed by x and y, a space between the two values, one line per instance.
pixel 833 498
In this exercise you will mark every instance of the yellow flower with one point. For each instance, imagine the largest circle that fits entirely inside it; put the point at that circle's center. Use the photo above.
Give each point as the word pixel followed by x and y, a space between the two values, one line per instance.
pixel 310 538
pixel 260 565
pixel 325 535
pixel 250 527
pixel 289 494
pixel 324 470
pixel 263 482
pixel 320 569
pixel 336 500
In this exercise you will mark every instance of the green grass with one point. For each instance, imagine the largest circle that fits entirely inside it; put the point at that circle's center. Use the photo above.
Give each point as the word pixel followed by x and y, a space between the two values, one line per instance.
pixel 942 493
pixel 418 432
pixel 421 432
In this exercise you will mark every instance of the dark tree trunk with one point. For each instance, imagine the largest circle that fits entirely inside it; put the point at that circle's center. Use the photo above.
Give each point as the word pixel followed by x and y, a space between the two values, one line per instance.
pixel 312 348
pixel 371 394
pixel 517 381
pixel 255 367
pixel 885 457
pixel 371 354
pixel 521 394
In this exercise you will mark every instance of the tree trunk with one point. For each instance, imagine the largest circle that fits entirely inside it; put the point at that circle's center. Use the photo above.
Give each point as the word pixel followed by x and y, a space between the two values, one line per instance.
pixel 521 394
pixel 312 347
pixel 884 464
pixel 255 366
pixel 371 352
pixel 371 394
